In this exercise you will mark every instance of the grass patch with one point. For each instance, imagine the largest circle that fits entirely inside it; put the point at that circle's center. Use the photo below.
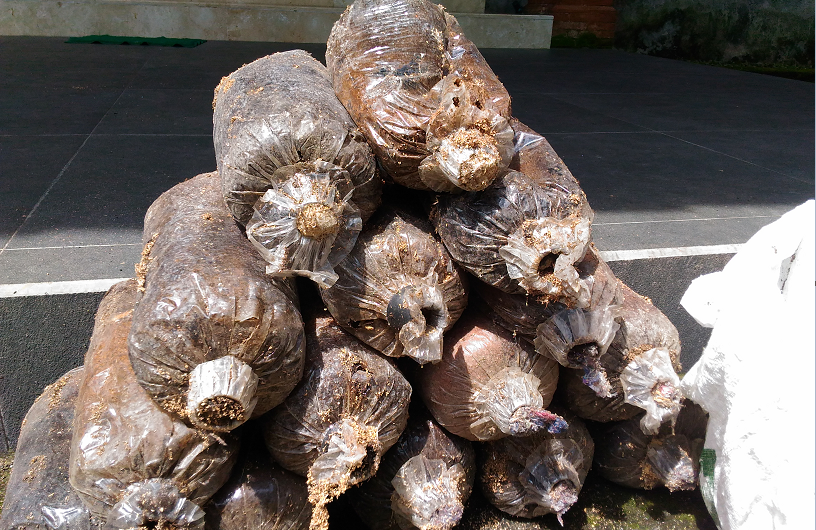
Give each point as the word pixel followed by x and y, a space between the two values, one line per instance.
pixel 137 41
pixel 5 472
pixel 584 40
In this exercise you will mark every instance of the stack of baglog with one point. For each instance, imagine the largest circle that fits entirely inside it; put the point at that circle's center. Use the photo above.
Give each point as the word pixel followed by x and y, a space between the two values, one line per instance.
pixel 210 353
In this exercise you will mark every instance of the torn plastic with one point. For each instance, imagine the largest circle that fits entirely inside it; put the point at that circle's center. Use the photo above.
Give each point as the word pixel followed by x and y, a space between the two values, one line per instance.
pixel 398 291
pixel 530 251
pixel 131 463
pixel 423 481
pixel 649 382
pixel 207 297
pixel 349 408
pixel 306 223
pixel 670 458
pixel 277 112
pixel 260 495
pixel 488 385
pixel 38 495
pixel 538 474
pixel 432 109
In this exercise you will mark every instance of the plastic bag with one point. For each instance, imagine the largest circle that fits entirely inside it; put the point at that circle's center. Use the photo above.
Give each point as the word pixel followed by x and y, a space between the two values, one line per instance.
pixel 755 379
pixel 295 169
pixel 398 291
pixel 488 385
pixel 260 495
pixel 434 112
pixel 38 495
pixel 637 371
pixel 131 463
pixel 350 407
pixel 540 474
pixel 670 458
pixel 214 340
pixel 526 231
pixel 423 482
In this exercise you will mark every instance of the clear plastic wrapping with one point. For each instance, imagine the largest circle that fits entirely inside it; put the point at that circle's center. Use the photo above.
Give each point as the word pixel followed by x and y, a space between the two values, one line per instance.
pixel 211 325
pixel 488 385
pixel 579 337
pixel 295 169
pixel 540 474
pixel 38 495
pixel 526 231
pixel 133 464
pixel 260 495
pixel 423 482
pixel 649 382
pixel 670 458
pixel 306 223
pixel 398 291
pixel 434 112
pixel 278 112
pixel 647 386
pixel 350 407
pixel 523 314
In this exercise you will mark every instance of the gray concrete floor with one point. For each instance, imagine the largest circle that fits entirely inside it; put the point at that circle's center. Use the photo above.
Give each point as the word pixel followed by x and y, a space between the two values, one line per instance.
pixel 670 154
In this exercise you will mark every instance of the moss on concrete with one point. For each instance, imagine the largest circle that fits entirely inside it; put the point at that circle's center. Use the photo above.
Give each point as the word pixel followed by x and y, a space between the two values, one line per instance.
pixel 603 506
pixel 584 40
pixel 5 472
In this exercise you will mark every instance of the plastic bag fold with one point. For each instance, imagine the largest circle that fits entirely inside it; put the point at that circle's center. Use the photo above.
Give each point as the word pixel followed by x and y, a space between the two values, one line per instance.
pixel 488 385
pixel 38 495
pixel 294 168
pixel 208 302
pixel 132 463
pixel 350 407
pixel 398 290
pixel 434 112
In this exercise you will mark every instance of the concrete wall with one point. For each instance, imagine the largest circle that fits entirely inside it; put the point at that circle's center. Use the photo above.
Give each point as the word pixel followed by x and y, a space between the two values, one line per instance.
pixel 757 32
pixel 264 20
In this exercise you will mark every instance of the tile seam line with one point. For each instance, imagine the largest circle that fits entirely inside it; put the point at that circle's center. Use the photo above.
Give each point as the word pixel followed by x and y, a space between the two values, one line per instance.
pixel 791 177
pixel 68 164
pixel 683 220
pixel 649 129
pixel 76 246
pixel 103 284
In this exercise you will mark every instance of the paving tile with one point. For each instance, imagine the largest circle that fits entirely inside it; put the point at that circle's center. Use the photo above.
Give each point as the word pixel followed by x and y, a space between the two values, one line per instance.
pixel 46 110
pixel 104 194
pixel 697 111
pixel 650 176
pixel 52 62
pixel 202 68
pixel 681 233
pixel 160 111
pixel 28 165
pixel 788 152
pixel 41 338
pixel 69 264
pixel 545 115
